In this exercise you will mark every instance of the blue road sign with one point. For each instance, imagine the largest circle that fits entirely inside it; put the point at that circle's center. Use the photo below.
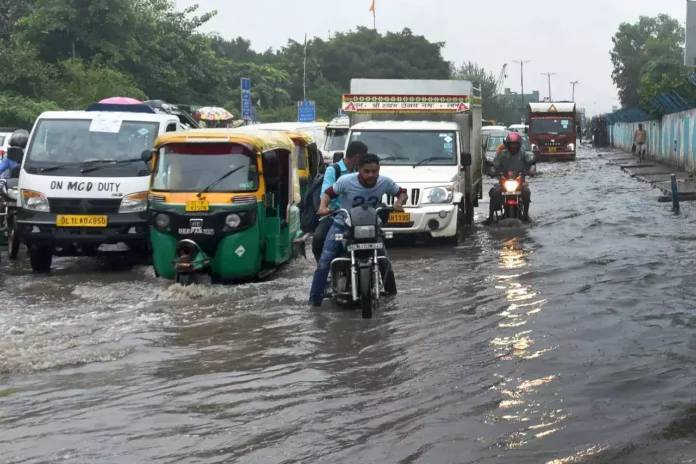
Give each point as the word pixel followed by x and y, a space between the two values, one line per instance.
pixel 246 97
pixel 306 112
pixel 340 112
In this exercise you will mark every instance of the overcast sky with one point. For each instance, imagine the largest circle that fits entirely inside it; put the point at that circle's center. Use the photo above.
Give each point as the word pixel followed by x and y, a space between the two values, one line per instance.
pixel 570 38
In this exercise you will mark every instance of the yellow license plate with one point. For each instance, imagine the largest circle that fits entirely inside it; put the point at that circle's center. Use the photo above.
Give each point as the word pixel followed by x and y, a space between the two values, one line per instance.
pixel 552 149
pixel 81 221
pixel 399 218
pixel 197 205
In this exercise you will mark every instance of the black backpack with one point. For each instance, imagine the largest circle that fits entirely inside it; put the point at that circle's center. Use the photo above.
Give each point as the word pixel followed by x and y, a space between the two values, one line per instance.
pixel 310 203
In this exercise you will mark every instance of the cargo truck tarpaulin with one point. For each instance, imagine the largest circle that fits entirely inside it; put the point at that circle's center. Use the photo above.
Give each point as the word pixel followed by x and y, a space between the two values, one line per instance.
pixel 452 104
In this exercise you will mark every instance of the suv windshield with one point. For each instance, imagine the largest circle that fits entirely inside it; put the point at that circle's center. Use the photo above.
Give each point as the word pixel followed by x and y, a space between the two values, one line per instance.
pixel 192 167
pixel 552 126
pixel 410 147
pixel 335 139
pixel 58 142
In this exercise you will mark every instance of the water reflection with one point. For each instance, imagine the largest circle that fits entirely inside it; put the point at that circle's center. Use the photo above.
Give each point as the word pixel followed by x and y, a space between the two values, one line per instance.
pixel 526 418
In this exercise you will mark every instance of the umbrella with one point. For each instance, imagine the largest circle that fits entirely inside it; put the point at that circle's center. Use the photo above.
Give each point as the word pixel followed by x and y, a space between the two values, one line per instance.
pixel 121 101
pixel 213 113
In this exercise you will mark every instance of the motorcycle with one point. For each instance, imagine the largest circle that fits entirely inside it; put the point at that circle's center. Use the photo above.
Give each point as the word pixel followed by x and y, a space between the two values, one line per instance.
pixel 8 209
pixel 511 187
pixel 361 274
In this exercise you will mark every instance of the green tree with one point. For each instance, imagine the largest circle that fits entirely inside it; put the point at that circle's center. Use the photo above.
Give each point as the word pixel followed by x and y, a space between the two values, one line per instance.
pixel 630 54
pixel 494 106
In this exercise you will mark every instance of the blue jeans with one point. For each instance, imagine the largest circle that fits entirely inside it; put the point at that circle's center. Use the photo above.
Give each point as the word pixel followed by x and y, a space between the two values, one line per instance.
pixel 332 249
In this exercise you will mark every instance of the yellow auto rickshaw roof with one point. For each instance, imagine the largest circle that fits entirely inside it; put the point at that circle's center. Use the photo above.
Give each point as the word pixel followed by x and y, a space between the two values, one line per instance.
pixel 261 140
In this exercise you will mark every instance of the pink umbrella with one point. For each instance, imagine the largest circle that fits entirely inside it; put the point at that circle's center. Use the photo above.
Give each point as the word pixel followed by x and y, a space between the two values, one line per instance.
pixel 121 101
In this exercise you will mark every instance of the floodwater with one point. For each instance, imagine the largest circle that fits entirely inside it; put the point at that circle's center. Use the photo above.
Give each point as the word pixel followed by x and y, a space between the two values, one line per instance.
pixel 570 340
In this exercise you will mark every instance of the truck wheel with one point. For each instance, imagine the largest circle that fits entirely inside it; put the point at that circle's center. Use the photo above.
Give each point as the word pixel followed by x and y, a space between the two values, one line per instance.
pixel 366 294
pixel 40 259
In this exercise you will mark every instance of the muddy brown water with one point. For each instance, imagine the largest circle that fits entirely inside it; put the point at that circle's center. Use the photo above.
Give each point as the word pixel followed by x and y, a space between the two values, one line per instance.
pixel 570 340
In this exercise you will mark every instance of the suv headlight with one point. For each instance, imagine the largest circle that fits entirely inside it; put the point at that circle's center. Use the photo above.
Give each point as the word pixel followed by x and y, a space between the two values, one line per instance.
pixel 437 195
pixel 362 232
pixel 35 201
pixel 134 203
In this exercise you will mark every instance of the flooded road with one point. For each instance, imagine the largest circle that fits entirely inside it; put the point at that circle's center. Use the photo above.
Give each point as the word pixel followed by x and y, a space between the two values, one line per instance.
pixel 571 340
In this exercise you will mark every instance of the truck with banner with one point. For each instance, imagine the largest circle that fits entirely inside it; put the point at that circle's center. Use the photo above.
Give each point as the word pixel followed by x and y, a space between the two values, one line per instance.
pixel 553 130
pixel 427 134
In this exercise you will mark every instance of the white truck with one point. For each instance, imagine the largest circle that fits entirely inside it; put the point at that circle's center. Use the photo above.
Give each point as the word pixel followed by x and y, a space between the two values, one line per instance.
pixel 336 136
pixel 427 134
pixel 83 183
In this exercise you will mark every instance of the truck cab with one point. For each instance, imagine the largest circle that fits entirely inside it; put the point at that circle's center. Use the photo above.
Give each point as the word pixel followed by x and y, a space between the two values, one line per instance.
pixel 427 134
pixel 336 136
pixel 83 183
pixel 552 130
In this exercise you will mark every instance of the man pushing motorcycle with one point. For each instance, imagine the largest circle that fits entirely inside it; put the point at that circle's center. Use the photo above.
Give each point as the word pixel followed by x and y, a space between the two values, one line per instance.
pixel 512 158
pixel 364 187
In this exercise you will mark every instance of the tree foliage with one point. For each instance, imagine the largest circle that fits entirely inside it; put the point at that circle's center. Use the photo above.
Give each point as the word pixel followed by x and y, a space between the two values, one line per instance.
pixel 70 53
pixel 642 52
pixel 494 106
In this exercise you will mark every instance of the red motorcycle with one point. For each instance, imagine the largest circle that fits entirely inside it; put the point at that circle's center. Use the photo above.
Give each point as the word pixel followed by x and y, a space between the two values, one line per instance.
pixel 511 187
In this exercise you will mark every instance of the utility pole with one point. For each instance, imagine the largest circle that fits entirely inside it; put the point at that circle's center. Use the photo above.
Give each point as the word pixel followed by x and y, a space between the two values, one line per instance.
pixel 574 83
pixel 304 70
pixel 521 62
pixel 549 76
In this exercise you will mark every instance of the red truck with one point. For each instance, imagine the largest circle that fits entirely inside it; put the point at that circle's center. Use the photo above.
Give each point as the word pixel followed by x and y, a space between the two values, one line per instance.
pixel 553 130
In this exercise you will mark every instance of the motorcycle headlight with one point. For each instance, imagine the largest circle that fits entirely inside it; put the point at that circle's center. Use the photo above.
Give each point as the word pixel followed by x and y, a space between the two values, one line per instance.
pixel 362 232
pixel 233 220
pixel 511 185
pixel 162 221
pixel 437 195
pixel 133 203
pixel 35 201
pixel 571 146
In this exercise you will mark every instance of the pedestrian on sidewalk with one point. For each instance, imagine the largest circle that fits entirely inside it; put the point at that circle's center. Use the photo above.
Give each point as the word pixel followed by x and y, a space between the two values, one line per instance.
pixel 639 140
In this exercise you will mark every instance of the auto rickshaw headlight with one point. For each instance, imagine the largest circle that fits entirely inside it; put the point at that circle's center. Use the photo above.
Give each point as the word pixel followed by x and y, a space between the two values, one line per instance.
pixel 233 220
pixel 162 221
pixel 134 203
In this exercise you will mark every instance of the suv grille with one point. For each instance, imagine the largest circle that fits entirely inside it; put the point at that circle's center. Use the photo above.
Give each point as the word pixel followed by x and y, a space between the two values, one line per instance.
pixel 413 198
pixel 84 206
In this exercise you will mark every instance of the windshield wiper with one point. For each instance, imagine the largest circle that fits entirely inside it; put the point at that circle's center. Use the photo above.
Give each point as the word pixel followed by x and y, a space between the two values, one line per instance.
pixel 68 165
pixel 225 176
pixel 432 158
pixel 110 163
pixel 393 158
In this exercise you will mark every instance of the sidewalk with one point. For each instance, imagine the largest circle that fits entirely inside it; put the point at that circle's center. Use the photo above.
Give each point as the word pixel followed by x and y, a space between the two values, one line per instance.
pixel 655 173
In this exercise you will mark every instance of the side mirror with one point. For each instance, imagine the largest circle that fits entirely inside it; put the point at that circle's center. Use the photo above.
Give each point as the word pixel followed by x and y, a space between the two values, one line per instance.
pixel 466 160
pixel 15 154
pixel 530 157
pixel 146 156
pixel 338 156
pixel 526 130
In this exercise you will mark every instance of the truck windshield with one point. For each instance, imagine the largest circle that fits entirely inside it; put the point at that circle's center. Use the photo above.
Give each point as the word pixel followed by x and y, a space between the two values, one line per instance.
pixel 410 147
pixel 193 167
pixel 335 139
pixel 552 126
pixel 59 142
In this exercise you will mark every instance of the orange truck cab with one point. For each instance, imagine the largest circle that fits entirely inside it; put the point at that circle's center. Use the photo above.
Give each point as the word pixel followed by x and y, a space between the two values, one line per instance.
pixel 552 130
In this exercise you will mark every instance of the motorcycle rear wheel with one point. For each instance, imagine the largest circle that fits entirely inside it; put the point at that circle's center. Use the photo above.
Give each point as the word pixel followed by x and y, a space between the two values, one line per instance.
pixel 366 296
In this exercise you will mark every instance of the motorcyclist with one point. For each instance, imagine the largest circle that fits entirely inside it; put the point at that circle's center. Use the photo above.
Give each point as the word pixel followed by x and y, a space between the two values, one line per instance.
pixel 512 158
pixel 19 138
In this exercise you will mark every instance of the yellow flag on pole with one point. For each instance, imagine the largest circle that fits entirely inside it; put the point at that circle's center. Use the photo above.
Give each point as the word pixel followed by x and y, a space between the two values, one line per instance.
pixel 372 7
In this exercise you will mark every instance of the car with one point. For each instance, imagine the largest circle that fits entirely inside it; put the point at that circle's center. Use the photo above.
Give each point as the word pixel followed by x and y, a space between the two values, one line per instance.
pixel 522 128
pixel 492 140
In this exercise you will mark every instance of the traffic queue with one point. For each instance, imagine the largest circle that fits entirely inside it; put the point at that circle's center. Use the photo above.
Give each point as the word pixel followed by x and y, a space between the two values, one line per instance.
pixel 226 202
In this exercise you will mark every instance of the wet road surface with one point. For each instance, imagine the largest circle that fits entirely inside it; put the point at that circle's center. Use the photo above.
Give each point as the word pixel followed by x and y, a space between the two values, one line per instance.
pixel 571 340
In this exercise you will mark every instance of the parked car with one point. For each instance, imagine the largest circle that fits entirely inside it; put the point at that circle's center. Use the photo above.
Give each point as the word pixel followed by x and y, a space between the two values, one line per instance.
pixel 492 140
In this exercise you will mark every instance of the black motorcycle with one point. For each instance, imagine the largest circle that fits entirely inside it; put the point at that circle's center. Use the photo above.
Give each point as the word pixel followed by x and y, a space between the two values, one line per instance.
pixel 8 210
pixel 362 274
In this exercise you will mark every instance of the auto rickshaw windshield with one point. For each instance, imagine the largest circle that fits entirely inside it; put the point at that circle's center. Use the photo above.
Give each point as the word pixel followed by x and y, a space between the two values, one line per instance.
pixel 189 167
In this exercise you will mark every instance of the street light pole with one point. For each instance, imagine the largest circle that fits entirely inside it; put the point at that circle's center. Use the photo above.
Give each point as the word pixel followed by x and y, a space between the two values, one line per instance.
pixel 549 76
pixel 521 62
pixel 574 83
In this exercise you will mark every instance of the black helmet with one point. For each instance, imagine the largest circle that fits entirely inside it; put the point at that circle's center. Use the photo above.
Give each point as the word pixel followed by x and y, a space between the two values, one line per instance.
pixel 19 138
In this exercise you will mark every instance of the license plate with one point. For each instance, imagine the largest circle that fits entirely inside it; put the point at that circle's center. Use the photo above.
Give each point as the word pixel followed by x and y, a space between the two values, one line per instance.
pixel 552 149
pixel 81 221
pixel 399 218
pixel 366 246
pixel 197 205
pixel 510 194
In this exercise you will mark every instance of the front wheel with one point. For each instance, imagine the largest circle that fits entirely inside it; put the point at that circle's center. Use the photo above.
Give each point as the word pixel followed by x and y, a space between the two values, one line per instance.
pixel 13 244
pixel 390 283
pixel 366 296
pixel 41 259
pixel 185 279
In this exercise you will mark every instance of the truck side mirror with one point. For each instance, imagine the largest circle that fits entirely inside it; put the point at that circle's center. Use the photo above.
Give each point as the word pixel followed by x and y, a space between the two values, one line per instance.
pixel 15 154
pixel 466 160
pixel 146 156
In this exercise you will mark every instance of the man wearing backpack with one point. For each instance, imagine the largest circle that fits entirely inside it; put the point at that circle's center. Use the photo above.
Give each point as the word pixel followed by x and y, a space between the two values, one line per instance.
pixel 345 166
